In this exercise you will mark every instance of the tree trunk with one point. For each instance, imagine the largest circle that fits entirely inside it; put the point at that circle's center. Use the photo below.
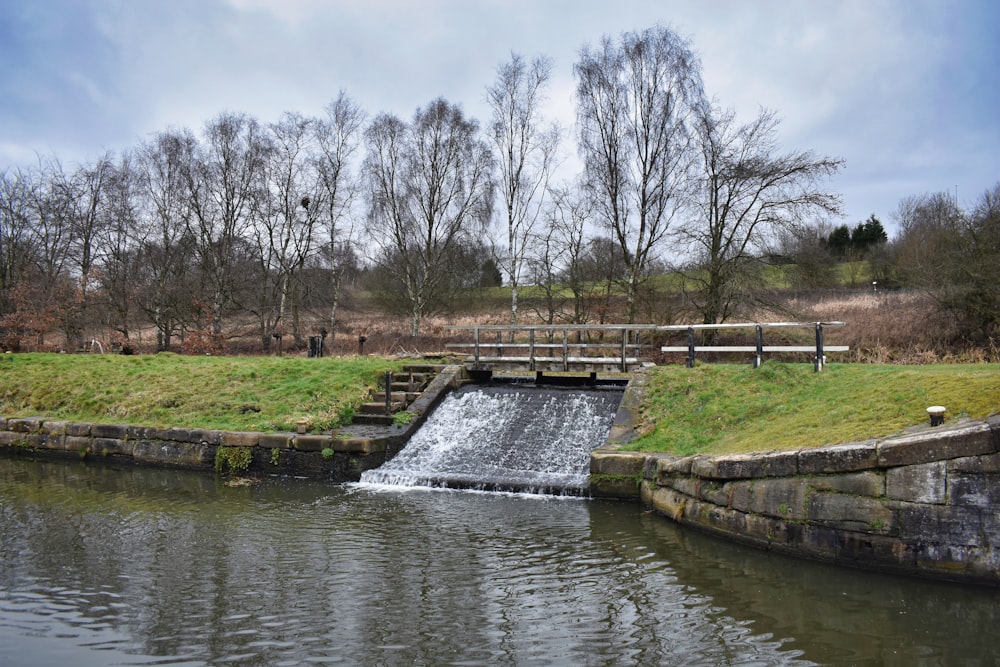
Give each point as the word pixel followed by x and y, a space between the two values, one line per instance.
pixel 335 282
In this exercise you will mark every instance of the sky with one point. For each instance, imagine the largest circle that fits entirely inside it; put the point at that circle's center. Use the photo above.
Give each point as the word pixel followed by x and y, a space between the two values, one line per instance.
pixel 906 92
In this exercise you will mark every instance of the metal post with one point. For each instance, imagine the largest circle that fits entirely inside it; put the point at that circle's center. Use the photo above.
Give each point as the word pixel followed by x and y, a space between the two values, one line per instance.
pixel 624 350
pixel 759 358
pixel 690 357
pixel 819 348
pixel 475 354
pixel 388 392
pixel 565 350
pixel 531 349
pixel 500 343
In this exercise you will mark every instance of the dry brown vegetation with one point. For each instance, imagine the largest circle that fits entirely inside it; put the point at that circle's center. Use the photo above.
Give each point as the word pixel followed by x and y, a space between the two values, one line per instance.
pixel 903 327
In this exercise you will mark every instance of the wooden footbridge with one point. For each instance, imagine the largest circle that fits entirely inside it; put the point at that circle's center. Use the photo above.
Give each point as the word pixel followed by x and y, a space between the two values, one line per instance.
pixel 619 348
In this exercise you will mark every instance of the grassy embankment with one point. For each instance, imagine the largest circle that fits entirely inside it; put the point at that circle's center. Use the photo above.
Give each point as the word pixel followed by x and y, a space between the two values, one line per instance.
pixel 722 408
pixel 712 408
pixel 228 393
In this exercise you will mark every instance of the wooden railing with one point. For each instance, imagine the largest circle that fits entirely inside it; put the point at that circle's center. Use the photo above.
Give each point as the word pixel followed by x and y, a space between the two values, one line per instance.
pixel 819 350
pixel 614 345
pixel 565 347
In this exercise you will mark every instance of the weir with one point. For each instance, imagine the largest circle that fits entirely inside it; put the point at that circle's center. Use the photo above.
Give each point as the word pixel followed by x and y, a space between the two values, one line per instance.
pixel 505 438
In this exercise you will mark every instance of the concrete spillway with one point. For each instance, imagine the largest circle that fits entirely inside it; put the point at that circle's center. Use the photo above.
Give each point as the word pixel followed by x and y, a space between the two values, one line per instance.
pixel 505 439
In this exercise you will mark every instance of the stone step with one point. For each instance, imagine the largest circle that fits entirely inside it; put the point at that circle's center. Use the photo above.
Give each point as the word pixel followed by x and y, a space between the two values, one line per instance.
pixel 430 369
pixel 407 388
pixel 397 396
pixel 372 419
pixel 378 408
pixel 412 378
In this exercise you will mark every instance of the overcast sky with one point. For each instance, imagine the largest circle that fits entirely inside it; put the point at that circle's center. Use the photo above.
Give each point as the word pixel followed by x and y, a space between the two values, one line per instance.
pixel 906 91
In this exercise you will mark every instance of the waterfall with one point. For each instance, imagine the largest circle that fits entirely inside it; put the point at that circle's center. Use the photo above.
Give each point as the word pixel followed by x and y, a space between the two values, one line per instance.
pixel 505 438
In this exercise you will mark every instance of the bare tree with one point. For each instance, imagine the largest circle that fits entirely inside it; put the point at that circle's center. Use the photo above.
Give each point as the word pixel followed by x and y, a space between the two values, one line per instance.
pixel 430 189
pixel 806 256
pixel 74 204
pixel 52 296
pixel 117 244
pixel 285 227
pixel 557 265
pixel 85 190
pixel 525 151
pixel 747 192
pixel 954 256
pixel 166 243
pixel 16 194
pixel 635 100
pixel 222 182
pixel 925 222
pixel 338 136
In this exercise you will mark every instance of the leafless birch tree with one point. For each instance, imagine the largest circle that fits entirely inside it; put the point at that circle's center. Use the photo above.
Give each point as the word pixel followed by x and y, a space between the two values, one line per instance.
pixel 166 240
pixel 222 182
pixel 338 137
pixel 16 193
pixel 635 100
pixel 118 247
pixel 430 189
pixel 525 149
pixel 285 227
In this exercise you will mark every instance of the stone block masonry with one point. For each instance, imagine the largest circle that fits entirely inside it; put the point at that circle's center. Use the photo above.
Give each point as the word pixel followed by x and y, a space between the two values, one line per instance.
pixel 926 503
pixel 338 459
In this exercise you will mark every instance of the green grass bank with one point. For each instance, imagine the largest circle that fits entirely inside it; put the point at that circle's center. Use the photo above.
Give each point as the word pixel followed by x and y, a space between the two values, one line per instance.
pixel 711 409
pixel 726 409
pixel 264 394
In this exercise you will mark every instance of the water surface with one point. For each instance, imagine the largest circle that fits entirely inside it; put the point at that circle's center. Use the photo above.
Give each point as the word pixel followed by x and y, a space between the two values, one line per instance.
pixel 104 566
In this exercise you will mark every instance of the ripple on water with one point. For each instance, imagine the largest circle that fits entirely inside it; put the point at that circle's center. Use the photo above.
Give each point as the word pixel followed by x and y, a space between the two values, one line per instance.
pixel 298 573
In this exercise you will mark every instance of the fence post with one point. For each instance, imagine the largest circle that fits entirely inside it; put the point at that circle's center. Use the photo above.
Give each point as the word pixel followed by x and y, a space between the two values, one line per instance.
pixel 565 342
pixel 759 358
pixel 475 333
pixel 624 349
pixel 388 392
pixel 531 349
pixel 690 357
pixel 819 347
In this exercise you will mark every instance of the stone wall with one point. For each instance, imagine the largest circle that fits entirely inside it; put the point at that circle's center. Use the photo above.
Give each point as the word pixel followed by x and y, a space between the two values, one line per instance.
pixel 194 449
pixel 925 503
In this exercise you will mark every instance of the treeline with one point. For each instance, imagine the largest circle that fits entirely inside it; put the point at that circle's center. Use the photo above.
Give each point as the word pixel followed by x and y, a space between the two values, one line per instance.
pixel 265 227
pixel 950 253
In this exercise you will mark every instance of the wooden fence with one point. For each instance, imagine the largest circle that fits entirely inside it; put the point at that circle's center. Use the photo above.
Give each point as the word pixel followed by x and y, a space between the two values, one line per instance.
pixel 561 347
pixel 566 347
pixel 819 349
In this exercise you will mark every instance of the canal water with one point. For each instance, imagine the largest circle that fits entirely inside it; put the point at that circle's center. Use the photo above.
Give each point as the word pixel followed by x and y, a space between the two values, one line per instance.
pixel 105 566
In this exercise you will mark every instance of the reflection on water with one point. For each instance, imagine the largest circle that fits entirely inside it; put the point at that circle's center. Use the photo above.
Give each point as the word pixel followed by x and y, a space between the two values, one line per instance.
pixel 103 566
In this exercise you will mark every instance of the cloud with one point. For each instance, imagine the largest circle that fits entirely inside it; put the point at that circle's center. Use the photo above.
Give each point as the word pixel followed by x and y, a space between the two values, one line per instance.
pixel 905 90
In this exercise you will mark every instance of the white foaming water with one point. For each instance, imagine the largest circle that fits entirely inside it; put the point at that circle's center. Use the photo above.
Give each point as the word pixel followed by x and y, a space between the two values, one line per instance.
pixel 505 439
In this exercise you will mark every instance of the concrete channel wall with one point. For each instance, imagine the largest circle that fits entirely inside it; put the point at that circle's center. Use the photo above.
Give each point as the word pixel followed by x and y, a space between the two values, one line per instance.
pixel 924 503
